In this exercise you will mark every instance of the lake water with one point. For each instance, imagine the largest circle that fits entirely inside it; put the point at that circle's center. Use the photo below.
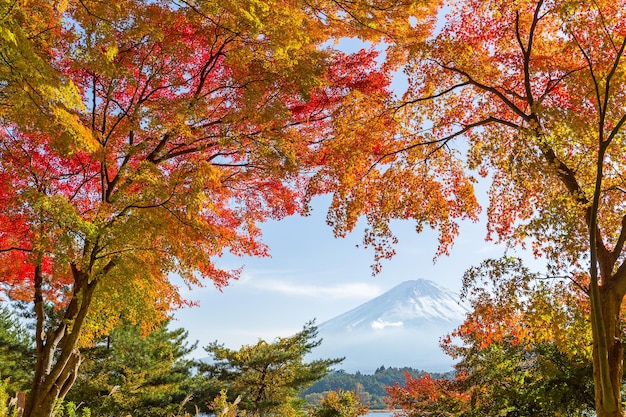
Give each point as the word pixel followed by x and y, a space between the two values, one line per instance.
pixel 378 414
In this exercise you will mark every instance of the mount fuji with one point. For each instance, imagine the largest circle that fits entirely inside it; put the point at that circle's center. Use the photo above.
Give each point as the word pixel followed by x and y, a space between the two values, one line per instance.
pixel 399 328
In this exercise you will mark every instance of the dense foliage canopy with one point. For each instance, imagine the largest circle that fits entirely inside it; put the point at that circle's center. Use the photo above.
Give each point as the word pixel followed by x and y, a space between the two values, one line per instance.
pixel 17 353
pixel 142 139
pixel 340 404
pixel 528 94
pixel 145 138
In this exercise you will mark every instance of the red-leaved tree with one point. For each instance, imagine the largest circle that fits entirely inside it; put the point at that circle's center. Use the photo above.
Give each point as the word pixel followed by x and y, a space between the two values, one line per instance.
pixel 529 94
pixel 164 132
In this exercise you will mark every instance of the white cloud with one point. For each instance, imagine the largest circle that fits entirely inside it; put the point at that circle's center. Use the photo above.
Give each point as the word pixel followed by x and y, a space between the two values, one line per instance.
pixel 381 324
pixel 356 290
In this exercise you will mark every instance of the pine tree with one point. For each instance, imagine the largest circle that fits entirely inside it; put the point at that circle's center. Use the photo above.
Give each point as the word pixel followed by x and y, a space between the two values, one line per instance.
pixel 130 374
pixel 268 376
pixel 16 352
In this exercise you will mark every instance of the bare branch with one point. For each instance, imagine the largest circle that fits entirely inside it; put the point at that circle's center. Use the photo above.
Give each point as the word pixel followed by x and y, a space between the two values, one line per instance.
pixel 434 96
pixel 15 248
pixel 620 241
pixel 604 27
pixel 443 141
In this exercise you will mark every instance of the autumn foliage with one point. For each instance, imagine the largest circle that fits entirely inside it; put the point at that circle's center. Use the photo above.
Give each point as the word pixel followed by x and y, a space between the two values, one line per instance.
pixel 425 396
pixel 143 139
pixel 529 95
pixel 524 349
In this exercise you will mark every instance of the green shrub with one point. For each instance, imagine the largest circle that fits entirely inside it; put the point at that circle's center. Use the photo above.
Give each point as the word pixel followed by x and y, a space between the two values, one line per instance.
pixel 70 409
pixel 7 404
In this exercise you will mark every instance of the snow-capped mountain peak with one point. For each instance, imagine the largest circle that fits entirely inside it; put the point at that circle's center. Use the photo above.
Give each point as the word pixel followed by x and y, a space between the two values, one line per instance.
pixel 399 328
pixel 407 303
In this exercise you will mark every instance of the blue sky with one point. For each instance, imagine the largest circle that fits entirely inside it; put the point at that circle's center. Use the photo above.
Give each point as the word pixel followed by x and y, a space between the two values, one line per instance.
pixel 313 275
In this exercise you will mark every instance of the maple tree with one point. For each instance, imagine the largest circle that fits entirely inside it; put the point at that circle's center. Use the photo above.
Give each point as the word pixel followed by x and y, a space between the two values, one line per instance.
pixel 516 353
pixel 529 94
pixel 28 80
pixel 424 396
pixel 142 139
pixel 525 347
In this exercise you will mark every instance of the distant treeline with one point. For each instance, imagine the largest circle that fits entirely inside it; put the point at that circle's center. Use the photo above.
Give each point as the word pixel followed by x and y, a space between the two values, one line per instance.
pixel 369 388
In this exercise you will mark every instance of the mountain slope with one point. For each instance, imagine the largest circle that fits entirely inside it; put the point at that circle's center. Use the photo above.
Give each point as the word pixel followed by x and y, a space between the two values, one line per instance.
pixel 399 328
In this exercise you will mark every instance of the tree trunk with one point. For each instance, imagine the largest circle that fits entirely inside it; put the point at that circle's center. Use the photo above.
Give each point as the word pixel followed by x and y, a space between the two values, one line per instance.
pixel 610 348
pixel 58 358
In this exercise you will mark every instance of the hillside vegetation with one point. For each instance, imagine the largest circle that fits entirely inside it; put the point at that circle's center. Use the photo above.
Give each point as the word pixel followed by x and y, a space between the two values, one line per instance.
pixel 370 388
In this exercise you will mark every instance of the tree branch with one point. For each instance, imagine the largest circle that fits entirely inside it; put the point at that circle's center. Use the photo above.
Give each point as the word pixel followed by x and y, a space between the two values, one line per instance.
pixel 15 248
pixel 443 141
pixel 434 96
pixel 620 241
pixel 489 89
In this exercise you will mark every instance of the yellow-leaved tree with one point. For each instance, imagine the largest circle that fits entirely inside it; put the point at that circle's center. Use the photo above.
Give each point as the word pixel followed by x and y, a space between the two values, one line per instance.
pixel 142 139
pixel 529 94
